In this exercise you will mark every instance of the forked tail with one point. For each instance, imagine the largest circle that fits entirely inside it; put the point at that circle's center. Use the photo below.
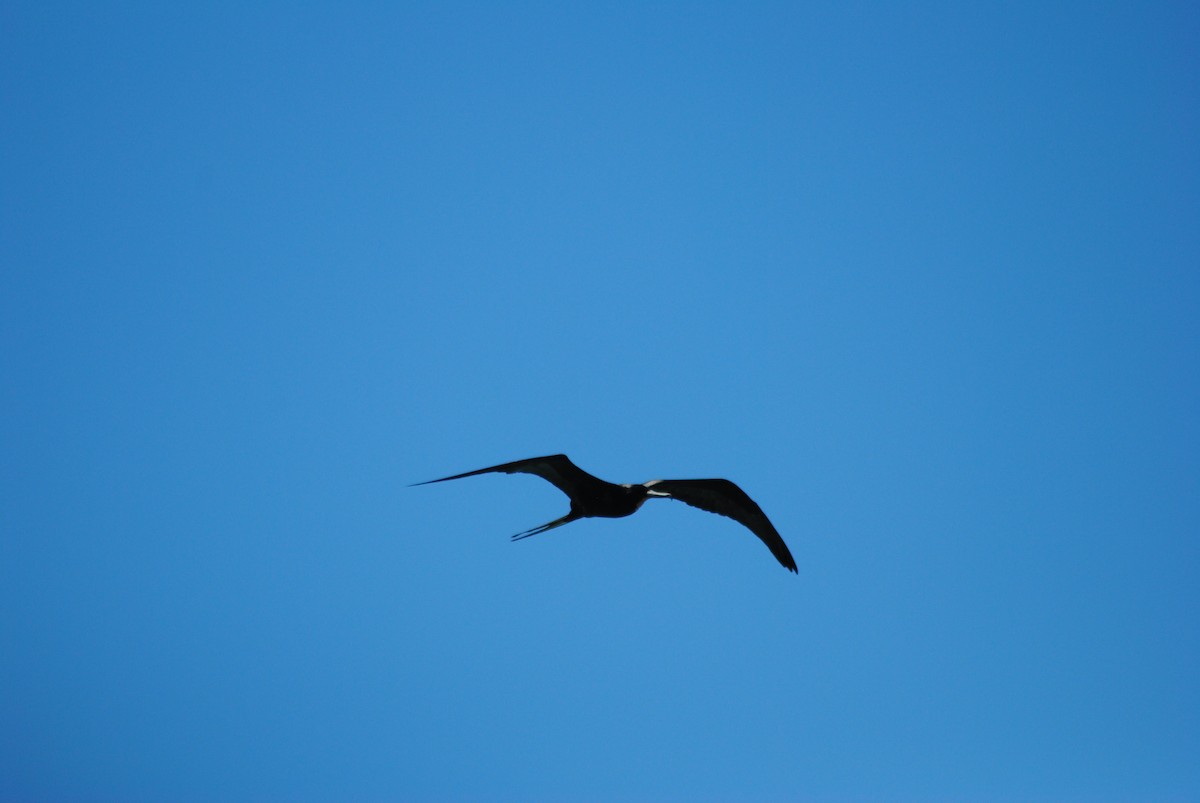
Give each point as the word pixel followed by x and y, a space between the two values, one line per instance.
pixel 567 519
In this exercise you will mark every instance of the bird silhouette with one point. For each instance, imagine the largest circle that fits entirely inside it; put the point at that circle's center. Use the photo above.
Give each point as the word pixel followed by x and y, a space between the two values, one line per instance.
pixel 592 496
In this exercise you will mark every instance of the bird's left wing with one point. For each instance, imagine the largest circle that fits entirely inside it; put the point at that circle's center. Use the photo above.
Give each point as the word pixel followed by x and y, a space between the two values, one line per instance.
pixel 726 499
pixel 557 469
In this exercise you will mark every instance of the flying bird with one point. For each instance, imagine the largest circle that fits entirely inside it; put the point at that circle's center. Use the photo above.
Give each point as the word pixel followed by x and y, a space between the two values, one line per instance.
pixel 591 496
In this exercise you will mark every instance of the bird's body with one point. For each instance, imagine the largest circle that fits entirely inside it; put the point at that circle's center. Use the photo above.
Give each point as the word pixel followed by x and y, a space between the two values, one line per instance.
pixel 614 502
pixel 593 497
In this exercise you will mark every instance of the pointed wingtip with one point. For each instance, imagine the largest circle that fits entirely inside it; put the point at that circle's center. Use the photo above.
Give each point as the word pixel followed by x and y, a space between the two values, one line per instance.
pixel 430 482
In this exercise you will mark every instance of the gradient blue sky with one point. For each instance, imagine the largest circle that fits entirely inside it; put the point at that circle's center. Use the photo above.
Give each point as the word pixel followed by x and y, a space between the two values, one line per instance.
pixel 922 278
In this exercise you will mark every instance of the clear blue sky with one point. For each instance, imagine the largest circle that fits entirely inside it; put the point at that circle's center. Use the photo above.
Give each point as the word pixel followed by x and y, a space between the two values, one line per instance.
pixel 922 278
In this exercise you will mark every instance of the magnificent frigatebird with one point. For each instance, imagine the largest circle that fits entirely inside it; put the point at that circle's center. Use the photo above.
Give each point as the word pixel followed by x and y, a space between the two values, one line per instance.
pixel 591 496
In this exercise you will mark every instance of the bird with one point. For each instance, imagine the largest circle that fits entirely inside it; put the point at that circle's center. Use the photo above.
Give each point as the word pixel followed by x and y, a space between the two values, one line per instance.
pixel 591 496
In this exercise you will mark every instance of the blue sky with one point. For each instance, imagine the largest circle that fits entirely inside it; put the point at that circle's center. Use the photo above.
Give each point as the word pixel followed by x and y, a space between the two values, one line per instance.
pixel 921 278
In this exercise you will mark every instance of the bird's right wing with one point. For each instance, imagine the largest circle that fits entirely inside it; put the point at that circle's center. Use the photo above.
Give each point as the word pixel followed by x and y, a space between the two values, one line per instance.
pixel 557 469
pixel 726 499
